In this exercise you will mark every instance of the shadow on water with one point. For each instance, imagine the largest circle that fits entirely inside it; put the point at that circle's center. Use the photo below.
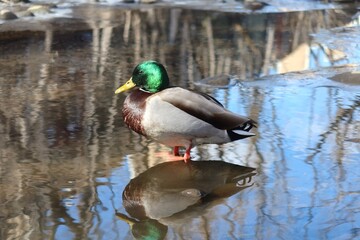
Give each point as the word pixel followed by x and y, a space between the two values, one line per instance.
pixel 65 155
pixel 175 191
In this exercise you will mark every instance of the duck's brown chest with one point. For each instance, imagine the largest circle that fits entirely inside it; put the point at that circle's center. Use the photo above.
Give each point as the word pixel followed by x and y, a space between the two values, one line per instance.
pixel 134 109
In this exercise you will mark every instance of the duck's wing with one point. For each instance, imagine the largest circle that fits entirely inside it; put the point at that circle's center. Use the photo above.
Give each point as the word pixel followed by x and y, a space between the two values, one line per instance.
pixel 206 108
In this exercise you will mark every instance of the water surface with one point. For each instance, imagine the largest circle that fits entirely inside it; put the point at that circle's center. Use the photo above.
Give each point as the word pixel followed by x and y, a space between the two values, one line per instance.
pixel 66 157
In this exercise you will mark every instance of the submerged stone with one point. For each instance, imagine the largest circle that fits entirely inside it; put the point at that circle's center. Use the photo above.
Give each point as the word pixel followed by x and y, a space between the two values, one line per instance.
pixel 7 15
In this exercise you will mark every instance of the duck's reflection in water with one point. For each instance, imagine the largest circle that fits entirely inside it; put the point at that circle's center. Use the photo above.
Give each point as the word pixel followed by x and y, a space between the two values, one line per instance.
pixel 173 190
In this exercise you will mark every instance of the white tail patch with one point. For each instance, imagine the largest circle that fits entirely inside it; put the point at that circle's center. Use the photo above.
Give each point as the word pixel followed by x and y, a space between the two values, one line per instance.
pixel 243 133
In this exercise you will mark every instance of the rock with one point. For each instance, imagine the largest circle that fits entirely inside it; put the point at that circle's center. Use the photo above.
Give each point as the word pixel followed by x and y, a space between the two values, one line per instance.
pixel 220 81
pixel 24 14
pixel 148 1
pixel 7 15
pixel 39 9
pixel 350 78
pixel 254 5
pixel 15 1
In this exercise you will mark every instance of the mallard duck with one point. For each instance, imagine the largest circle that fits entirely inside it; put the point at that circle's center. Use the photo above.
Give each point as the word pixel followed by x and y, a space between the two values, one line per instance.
pixel 175 116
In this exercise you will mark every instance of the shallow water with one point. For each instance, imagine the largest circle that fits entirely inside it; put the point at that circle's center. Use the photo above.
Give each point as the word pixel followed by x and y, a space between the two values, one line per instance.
pixel 66 157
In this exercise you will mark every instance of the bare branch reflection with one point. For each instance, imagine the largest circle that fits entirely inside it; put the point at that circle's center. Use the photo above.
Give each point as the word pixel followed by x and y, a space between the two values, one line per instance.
pixel 65 155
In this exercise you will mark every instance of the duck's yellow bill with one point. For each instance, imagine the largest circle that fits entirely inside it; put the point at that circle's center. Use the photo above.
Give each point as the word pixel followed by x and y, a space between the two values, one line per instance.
pixel 128 85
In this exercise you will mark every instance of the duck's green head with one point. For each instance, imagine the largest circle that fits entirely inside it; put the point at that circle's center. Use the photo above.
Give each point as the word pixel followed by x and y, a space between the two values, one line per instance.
pixel 150 76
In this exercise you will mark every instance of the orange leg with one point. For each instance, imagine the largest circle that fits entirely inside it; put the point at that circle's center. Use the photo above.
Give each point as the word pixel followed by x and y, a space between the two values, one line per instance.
pixel 168 157
pixel 176 151
pixel 187 157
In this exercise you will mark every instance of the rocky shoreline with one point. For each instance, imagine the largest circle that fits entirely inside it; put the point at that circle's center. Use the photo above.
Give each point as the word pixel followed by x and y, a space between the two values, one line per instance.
pixel 22 9
pixel 25 9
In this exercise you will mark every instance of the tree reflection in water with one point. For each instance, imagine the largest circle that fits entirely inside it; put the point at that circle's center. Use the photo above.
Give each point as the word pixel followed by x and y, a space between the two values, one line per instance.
pixel 65 156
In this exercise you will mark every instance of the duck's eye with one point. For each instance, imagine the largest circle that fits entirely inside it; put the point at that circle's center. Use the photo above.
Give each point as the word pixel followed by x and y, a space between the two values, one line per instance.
pixel 137 72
